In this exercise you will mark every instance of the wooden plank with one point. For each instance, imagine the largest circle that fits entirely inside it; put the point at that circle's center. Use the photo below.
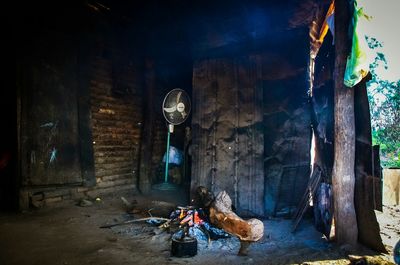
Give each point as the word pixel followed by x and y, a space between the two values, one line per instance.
pixel 308 195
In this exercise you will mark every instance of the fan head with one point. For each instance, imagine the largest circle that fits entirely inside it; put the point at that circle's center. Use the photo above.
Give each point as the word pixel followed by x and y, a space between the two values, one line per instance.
pixel 176 106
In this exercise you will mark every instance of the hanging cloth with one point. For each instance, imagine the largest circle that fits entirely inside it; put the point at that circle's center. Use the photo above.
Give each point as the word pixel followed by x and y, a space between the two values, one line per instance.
pixel 328 23
pixel 317 37
pixel 358 61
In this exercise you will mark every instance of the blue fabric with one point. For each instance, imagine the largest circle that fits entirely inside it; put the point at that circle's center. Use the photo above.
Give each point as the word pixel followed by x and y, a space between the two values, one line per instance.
pixel 175 156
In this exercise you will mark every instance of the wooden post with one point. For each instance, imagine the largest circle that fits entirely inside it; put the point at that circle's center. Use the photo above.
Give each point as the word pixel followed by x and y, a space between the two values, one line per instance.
pixel 346 231
pixel 146 146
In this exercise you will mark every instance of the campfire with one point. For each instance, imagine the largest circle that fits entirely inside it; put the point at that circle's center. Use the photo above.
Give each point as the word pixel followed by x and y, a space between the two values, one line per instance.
pixel 209 218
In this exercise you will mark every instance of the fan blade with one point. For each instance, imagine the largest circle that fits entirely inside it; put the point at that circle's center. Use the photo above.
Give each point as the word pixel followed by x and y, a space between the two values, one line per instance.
pixel 171 109
pixel 178 97
pixel 183 114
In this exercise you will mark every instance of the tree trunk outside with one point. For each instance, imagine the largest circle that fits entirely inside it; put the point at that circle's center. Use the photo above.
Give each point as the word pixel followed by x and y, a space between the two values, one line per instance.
pixel 343 178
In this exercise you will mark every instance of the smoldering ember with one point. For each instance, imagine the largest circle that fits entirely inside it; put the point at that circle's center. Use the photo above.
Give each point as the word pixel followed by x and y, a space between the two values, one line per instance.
pixel 194 132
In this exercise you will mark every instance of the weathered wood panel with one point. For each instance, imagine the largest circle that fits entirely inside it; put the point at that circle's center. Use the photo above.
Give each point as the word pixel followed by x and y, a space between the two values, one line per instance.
pixel 250 137
pixel 50 138
pixel 391 186
pixel 378 179
pixel 287 144
pixel 364 194
pixel 227 132
pixel 322 129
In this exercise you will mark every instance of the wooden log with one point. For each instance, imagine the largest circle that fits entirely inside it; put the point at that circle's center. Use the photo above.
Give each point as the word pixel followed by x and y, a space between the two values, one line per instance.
pixel 222 216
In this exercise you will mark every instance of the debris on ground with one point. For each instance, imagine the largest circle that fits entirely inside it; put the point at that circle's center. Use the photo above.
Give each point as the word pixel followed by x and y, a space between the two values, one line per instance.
pixel 85 203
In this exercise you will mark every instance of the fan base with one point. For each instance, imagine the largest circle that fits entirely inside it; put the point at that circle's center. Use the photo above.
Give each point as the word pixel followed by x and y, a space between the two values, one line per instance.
pixel 165 186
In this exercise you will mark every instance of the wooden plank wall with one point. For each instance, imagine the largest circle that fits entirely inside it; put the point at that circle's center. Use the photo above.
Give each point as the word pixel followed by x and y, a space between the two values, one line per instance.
pixel 49 122
pixel 227 131
pixel 251 130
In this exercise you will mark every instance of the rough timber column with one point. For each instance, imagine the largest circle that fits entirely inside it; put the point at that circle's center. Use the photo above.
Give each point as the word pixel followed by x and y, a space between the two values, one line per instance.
pixel 343 178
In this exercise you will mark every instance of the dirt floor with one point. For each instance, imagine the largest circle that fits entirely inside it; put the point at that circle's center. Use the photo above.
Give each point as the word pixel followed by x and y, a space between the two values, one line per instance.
pixel 69 234
pixel 389 222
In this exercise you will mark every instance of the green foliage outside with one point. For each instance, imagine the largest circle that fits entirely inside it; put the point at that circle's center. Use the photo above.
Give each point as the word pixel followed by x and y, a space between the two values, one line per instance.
pixel 384 98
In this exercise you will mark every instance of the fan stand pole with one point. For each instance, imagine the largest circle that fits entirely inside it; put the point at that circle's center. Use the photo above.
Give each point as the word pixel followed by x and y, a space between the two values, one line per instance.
pixel 165 185
pixel 167 157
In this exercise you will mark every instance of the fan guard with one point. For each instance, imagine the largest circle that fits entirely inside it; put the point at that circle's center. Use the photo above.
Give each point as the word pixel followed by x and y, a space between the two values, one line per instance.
pixel 176 106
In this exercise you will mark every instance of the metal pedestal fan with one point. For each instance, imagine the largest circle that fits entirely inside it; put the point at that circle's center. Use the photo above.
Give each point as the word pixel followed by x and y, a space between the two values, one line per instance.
pixel 176 108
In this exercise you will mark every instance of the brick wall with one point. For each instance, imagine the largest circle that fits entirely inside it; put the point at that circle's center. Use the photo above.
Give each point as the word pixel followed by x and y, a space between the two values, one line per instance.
pixel 116 119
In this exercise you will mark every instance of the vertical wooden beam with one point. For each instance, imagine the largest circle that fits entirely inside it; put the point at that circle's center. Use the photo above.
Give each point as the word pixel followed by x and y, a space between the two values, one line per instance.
pixel 377 173
pixel 84 112
pixel 343 178
pixel 146 146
